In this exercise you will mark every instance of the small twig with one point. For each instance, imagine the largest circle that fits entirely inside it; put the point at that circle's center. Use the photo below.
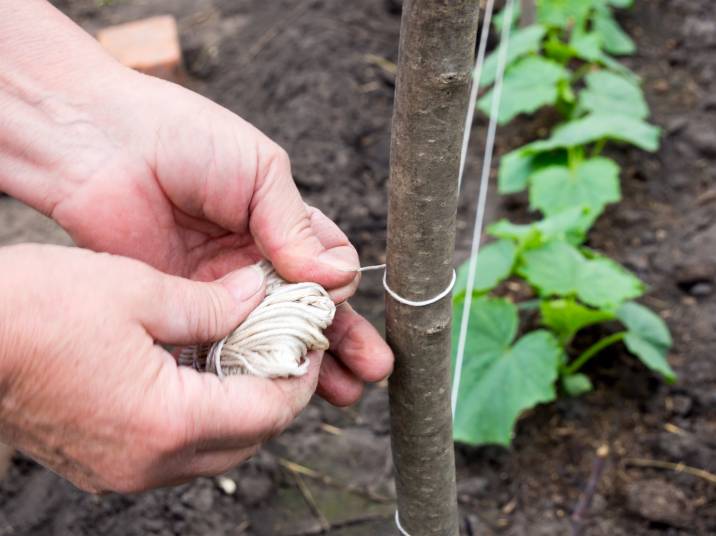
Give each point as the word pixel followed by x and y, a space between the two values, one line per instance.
pixel 311 501
pixel 585 499
pixel 330 429
pixel 341 524
pixel 385 65
pixel 328 481
pixel 677 467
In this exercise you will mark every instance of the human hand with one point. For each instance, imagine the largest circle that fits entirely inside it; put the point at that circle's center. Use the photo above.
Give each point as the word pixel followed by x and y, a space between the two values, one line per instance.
pixel 86 389
pixel 136 166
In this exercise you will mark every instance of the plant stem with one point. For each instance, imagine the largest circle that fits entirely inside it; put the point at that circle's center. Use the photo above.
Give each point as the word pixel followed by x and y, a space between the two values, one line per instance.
pixel 581 71
pixel 593 350
pixel 575 155
pixel 599 147
pixel 529 305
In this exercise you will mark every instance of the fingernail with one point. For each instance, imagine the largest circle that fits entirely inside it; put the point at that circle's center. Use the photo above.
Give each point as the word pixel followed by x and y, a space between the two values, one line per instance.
pixel 339 259
pixel 244 283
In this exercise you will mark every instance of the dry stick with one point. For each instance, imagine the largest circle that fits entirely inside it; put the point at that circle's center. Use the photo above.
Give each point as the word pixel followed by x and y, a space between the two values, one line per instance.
pixel 585 499
pixel 367 518
pixel 328 481
pixel 437 41
pixel 311 502
pixel 677 467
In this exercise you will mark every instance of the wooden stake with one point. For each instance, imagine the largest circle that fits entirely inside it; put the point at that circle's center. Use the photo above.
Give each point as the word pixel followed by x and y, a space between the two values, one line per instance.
pixel 437 43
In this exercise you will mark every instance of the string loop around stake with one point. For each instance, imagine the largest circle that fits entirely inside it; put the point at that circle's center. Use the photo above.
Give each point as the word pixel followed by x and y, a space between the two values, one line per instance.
pixel 397 297
pixel 400 527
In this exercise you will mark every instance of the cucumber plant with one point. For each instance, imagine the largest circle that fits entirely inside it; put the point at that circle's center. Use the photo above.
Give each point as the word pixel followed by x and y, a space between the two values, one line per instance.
pixel 565 61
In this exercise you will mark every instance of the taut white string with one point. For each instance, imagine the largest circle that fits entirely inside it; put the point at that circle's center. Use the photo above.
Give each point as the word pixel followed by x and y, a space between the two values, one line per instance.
pixel 475 89
pixel 482 196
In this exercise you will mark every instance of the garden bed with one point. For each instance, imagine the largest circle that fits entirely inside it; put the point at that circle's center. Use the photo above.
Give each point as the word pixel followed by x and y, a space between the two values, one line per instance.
pixel 318 76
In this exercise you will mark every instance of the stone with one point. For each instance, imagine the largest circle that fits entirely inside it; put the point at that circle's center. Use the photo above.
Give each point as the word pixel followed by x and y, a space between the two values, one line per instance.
pixel 472 487
pixel 703 137
pixel 700 290
pixel 658 501
pixel 150 46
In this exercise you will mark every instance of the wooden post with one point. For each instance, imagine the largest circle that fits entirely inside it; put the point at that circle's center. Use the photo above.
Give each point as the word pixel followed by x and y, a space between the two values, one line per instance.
pixel 437 43
pixel 528 12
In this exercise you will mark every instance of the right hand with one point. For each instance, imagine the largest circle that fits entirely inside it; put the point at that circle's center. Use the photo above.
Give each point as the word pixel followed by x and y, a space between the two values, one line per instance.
pixel 86 389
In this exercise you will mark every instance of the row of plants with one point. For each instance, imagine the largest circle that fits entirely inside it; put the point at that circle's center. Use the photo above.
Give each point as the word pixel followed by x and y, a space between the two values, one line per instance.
pixel 564 61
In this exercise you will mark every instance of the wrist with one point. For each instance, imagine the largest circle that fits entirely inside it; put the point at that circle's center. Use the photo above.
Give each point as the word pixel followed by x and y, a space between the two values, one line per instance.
pixel 12 310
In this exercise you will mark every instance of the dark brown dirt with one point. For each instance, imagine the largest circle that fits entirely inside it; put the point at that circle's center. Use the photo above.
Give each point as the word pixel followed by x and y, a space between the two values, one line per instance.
pixel 316 76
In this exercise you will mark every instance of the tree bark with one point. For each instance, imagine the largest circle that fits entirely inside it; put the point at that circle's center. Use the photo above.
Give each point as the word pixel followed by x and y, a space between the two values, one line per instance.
pixel 437 43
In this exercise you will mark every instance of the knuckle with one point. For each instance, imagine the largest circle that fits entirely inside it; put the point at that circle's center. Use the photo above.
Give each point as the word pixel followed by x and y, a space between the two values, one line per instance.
pixel 275 165
pixel 280 157
pixel 207 313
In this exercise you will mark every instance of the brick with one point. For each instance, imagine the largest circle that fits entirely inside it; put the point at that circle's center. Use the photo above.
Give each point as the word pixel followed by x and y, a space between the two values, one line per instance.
pixel 149 45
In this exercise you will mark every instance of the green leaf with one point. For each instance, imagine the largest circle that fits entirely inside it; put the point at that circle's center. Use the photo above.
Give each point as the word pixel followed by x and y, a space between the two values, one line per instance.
pixel 648 338
pixel 558 50
pixel 562 13
pixel 614 39
pixel 494 264
pixel 500 379
pixel 559 269
pixel 499 19
pixel 570 225
pixel 622 3
pixel 576 384
pixel 607 92
pixel 565 317
pixel 605 283
pixel 529 84
pixel 523 41
pixel 593 183
pixel 587 46
pixel 595 127
pixel 552 268
pixel 517 166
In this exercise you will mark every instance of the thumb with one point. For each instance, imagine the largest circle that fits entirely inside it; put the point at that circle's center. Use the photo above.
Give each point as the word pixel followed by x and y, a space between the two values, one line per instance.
pixel 282 226
pixel 189 312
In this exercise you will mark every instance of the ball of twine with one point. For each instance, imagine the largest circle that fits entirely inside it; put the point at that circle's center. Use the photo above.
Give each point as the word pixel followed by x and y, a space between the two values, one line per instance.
pixel 275 338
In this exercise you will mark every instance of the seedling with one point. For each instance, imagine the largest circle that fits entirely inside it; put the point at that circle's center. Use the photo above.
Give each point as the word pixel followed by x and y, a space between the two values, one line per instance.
pixel 564 61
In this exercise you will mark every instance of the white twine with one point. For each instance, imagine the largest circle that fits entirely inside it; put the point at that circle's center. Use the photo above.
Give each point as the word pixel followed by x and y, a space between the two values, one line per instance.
pixel 275 338
pixel 484 183
pixel 400 527
pixel 405 301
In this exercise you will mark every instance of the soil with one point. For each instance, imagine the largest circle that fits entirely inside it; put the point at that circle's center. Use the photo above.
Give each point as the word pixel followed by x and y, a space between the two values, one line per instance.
pixel 317 76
